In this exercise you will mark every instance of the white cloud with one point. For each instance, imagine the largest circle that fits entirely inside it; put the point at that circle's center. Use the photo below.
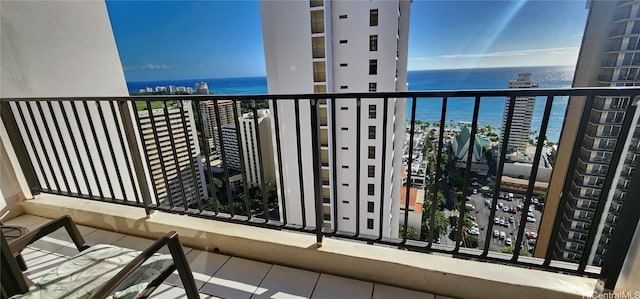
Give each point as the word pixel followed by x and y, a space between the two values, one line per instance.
pixel 513 53
pixel 146 66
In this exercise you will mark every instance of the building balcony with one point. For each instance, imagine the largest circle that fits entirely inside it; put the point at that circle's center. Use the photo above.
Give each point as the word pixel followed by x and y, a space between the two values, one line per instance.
pixel 109 188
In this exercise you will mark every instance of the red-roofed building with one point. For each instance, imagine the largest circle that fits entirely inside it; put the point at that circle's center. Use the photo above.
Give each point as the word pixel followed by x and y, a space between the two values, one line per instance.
pixel 416 200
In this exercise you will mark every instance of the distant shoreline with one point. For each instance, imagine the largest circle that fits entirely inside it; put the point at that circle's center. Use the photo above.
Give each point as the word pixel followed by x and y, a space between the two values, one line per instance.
pixel 409 71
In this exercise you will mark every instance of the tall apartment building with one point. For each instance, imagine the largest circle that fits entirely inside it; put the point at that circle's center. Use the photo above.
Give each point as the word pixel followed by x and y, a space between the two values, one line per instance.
pixel 210 122
pixel 173 156
pixel 609 56
pixel 202 88
pixel 336 47
pixel 522 115
pixel 252 148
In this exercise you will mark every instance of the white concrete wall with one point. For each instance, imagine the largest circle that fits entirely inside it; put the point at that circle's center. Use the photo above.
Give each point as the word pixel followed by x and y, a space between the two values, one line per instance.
pixel 65 49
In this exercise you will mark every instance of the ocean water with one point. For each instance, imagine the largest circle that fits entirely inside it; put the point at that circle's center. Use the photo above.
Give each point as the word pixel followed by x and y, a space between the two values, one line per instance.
pixel 458 109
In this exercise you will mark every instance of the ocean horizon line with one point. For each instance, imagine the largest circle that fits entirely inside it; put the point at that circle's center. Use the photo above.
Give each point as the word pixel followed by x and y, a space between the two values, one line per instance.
pixel 408 71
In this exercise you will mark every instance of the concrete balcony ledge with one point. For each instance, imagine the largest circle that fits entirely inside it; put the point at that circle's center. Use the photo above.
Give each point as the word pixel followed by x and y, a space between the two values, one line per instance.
pixel 411 270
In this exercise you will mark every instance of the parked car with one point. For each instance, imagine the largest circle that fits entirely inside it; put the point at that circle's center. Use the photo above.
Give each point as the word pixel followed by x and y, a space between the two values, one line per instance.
pixel 475 191
pixel 505 209
pixel 514 210
pixel 507 242
pixel 532 242
pixel 530 214
pixel 532 235
pixel 474 231
pixel 531 219
pixel 502 235
pixel 511 219
pixel 502 222
pixel 487 202
pixel 496 220
pixel 496 233
pixel 472 217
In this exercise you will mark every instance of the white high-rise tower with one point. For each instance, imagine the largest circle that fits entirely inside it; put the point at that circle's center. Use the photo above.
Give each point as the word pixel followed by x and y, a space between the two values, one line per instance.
pixel 340 46
pixel 522 115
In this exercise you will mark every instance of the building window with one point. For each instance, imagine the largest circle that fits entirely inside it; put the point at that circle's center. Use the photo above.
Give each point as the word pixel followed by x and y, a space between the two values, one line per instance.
pixel 373 43
pixel 344 108
pixel 344 148
pixel 373 66
pixel 343 41
pixel 345 166
pixel 372 132
pixel 373 17
pixel 344 129
pixel 345 184
pixel 369 223
pixel 372 111
pixel 342 17
pixel 372 152
pixel 371 171
pixel 343 64
pixel 344 86
pixel 371 191
pixel 373 86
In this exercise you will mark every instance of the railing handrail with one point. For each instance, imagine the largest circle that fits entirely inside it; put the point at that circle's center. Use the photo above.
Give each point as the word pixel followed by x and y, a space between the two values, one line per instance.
pixel 516 92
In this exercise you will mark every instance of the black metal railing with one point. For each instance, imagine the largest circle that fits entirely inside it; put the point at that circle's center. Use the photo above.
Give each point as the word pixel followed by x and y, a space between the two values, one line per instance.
pixel 145 151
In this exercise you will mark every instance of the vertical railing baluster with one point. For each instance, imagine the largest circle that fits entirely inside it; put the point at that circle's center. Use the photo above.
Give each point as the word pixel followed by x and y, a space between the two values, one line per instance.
pixel 467 173
pixel 334 173
pixel 503 154
pixel 299 154
pixel 279 151
pixel 315 144
pixel 126 108
pixel 383 172
pixel 412 129
pixel 438 174
pixel 358 162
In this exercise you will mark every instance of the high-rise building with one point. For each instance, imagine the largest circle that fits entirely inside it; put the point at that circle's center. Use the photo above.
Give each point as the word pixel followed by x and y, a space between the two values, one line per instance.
pixel 171 167
pixel 252 148
pixel 340 46
pixel 210 121
pixel 522 115
pixel 609 56
pixel 202 88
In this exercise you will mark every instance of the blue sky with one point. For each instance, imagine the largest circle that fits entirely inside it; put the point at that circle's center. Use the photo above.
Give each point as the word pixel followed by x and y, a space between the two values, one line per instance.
pixel 160 40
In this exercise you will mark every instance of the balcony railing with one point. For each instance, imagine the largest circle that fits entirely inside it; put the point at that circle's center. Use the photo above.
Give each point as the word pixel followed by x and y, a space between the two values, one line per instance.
pixel 100 149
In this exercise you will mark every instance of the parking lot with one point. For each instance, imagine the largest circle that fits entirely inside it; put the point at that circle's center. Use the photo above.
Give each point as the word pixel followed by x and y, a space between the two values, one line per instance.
pixel 510 227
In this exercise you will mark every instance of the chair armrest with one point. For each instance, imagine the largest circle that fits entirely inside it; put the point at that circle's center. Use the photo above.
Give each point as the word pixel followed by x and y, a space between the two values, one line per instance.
pixel 63 221
pixel 179 260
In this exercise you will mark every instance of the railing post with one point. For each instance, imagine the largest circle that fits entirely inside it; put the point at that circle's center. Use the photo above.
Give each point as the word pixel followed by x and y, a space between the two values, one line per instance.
pixel 19 147
pixel 315 145
pixel 136 158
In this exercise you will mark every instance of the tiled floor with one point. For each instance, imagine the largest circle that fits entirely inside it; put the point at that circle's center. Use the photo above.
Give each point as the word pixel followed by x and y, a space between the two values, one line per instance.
pixel 217 276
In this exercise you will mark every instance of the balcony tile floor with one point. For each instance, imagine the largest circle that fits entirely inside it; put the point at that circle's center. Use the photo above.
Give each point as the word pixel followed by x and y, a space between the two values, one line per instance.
pixel 216 275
